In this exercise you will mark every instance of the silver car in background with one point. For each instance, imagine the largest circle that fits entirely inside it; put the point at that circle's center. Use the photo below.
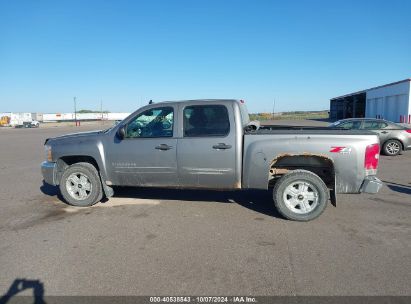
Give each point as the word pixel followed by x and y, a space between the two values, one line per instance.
pixel 394 138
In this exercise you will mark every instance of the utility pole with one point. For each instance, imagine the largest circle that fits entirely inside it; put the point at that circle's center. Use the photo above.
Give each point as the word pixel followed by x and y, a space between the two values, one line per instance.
pixel 273 108
pixel 101 108
pixel 75 110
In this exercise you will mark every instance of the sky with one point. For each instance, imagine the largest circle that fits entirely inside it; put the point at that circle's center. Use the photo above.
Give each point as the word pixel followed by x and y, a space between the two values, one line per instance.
pixel 124 53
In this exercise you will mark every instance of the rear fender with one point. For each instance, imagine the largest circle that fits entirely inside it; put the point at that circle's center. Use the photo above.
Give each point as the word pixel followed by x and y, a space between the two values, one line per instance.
pixel 320 164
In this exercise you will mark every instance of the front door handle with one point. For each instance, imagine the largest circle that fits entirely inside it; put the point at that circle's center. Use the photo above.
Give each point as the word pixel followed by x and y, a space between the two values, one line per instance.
pixel 164 147
pixel 384 132
pixel 221 146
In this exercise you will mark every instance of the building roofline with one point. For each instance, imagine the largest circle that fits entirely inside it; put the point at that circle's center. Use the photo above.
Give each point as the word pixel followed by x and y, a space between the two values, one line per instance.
pixel 373 88
pixel 349 94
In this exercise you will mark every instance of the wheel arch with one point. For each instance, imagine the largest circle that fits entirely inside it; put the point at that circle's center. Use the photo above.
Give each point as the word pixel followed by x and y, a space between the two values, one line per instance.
pixel 319 164
pixel 64 161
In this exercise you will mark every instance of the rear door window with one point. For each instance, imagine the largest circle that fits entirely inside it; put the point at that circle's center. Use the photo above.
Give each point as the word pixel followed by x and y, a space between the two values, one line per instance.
pixel 354 124
pixel 206 120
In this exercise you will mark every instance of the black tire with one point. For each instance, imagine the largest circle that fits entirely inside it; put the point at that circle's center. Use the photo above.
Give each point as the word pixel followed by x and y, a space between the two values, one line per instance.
pixel 95 193
pixel 282 199
pixel 392 147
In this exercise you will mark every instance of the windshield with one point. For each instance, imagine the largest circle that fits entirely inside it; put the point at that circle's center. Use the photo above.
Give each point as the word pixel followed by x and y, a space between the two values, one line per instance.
pixel 335 124
pixel 115 123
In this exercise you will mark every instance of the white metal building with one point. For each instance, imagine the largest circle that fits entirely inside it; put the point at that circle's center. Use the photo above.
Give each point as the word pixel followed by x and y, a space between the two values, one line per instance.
pixel 391 102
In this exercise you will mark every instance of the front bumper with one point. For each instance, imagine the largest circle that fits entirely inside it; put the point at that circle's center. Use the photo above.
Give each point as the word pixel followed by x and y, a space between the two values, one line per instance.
pixel 49 170
pixel 371 184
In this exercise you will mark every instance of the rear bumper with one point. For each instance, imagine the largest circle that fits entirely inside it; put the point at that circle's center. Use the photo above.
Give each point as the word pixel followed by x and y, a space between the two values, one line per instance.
pixel 371 184
pixel 48 170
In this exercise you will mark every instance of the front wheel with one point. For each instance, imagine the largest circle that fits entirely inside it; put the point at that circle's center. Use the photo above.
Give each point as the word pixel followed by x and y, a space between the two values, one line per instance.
pixel 300 195
pixel 80 185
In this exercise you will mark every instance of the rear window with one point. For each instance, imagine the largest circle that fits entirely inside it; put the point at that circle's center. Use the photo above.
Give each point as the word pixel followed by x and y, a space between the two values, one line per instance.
pixel 245 117
pixel 396 126
pixel 374 125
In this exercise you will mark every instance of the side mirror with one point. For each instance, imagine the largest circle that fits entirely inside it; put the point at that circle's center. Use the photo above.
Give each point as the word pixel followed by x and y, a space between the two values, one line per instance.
pixel 121 132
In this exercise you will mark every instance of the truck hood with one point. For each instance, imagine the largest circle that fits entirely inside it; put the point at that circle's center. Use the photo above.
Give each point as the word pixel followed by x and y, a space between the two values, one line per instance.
pixel 79 135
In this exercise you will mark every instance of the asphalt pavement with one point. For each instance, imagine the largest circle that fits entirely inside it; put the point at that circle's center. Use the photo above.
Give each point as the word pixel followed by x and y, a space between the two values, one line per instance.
pixel 186 242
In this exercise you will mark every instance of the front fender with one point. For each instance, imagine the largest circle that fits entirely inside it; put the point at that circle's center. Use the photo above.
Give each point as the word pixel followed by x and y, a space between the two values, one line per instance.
pixel 69 150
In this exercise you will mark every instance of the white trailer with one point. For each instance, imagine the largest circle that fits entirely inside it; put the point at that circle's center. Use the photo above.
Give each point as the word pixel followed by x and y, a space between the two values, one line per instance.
pixel 54 117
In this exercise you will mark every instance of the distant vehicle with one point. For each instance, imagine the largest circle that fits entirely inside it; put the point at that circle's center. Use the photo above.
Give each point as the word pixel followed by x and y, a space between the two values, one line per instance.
pixel 4 121
pixel 394 138
pixel 211 144
pixel 28 124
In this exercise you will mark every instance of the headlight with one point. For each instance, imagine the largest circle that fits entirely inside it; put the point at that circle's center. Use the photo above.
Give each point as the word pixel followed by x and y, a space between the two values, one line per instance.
pixel 47 150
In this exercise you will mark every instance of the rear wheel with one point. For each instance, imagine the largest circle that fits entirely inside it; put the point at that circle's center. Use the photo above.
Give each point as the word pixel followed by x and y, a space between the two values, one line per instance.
pixel 392 147
pixel 300 195
pixel 80 185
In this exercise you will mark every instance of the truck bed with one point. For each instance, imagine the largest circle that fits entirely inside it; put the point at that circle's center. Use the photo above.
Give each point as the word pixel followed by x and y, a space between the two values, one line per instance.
pixel 303 130
pixel 346 149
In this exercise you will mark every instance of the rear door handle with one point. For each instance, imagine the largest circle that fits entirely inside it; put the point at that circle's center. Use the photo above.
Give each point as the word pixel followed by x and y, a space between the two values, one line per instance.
pixel 164 147
pixel 384 132
pixel 221 146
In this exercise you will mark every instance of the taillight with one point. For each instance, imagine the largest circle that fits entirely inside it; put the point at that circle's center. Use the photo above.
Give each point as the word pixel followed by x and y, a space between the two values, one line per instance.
pixel 372 155
pixel 408 131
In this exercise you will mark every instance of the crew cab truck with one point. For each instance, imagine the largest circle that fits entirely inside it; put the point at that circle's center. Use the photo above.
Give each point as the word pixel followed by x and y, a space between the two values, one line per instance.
pixel 211 144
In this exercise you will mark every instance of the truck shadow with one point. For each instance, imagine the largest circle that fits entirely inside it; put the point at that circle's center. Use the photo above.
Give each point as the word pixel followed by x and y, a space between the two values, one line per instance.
pixel 51 191
pixel 259 201
pixel 398 187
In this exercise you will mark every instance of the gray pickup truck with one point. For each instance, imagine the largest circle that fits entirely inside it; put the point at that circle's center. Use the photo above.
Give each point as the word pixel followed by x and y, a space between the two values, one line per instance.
pixel 211 144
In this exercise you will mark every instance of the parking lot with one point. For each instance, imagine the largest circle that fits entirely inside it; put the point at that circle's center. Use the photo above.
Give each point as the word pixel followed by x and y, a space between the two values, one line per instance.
pixel 184 242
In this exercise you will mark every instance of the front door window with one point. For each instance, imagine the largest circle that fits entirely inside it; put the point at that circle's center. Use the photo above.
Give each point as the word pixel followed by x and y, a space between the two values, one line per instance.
pixel 152 123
